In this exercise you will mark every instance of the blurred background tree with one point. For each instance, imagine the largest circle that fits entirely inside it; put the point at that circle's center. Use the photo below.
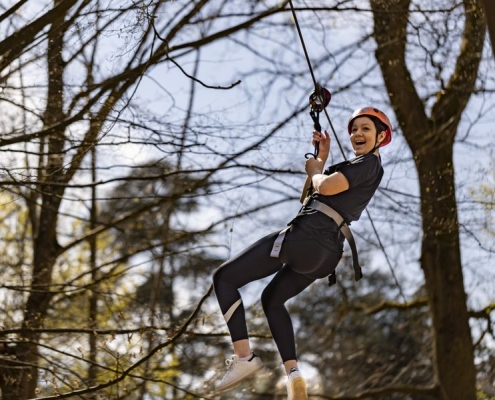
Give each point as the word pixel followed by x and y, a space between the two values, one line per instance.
pixel 145 143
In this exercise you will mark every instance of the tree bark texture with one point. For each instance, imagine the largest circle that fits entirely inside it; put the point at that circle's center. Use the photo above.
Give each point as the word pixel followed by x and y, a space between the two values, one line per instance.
pixel 431 139
pixel 12 46
pixel 20 382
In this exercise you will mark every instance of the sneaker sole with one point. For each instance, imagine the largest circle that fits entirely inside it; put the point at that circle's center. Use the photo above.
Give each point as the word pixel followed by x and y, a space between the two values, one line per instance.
pixel 235 383
pixel 298 389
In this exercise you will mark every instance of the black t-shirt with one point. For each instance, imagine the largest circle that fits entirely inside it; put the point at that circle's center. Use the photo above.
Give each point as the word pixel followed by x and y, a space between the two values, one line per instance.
pixel 364 174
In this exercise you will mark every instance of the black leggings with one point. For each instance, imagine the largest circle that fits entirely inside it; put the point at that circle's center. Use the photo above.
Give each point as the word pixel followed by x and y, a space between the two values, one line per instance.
pixel 303 259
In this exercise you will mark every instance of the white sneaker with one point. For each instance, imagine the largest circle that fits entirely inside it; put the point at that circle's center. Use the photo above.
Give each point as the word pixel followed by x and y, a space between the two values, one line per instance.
pixel 296 386
pixel 237 371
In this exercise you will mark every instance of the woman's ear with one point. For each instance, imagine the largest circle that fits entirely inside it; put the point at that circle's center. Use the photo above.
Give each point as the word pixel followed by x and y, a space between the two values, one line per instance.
pixel 381 137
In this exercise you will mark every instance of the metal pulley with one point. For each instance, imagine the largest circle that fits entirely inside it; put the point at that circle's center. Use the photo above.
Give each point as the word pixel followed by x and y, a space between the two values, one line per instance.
pixel 319 98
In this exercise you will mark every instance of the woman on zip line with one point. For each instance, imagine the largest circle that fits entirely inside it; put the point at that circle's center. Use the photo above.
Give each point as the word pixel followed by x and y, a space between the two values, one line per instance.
pixel 311 247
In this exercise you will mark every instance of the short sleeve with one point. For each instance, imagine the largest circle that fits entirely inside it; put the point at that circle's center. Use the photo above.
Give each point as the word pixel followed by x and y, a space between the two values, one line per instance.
pixel 361 170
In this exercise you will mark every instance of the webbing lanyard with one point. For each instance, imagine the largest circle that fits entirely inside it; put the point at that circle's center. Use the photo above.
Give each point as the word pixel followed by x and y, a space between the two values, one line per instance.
pixel 319 98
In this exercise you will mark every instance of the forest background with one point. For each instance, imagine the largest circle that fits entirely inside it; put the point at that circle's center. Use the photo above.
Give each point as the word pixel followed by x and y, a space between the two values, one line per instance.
pixel 143 143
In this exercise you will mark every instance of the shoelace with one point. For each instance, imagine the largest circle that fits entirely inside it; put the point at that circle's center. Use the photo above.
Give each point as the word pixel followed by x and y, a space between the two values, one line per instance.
pixel 230 362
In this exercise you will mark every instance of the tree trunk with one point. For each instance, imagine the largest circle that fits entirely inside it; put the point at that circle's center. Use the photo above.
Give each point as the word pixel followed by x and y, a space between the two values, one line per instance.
pixel 441 263
pixel 19 380
pixel 431 140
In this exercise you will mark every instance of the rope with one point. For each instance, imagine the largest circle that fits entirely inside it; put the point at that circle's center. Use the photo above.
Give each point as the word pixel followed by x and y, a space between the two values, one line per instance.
pixel 380 244
pixel 315 83
pixel 302 42
pixel 382 247
pixel 313 76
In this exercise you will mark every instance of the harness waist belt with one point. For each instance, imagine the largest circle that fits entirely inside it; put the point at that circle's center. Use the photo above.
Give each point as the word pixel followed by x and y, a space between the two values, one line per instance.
pixel 344 228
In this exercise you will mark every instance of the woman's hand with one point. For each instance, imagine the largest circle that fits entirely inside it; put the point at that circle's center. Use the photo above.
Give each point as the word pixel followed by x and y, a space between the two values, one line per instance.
pixel 314 166
pixel 324 140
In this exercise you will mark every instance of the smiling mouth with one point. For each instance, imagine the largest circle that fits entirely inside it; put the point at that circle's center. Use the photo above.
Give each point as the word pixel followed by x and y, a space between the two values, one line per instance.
pixel 360 142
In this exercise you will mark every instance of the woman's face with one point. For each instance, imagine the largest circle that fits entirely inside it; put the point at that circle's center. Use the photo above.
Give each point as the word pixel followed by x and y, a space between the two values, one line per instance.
pixel 363 135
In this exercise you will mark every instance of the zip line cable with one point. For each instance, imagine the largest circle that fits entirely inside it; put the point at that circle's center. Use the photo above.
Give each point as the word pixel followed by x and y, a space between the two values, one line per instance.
pixel 380 244
pixel 313 76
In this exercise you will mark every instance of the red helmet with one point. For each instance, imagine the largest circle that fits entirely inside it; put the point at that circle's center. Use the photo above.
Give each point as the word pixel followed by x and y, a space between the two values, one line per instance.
pixel 373 112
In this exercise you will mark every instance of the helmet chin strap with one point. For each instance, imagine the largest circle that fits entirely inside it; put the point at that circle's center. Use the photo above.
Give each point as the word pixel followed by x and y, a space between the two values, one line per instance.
pixel 376 147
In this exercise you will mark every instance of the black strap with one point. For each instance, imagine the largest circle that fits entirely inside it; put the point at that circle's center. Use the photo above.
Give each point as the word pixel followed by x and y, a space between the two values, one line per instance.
pixel 332 279
pixel 315 115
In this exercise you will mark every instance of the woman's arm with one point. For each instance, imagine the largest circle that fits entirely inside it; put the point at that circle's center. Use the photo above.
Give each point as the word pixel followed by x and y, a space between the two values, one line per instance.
pixel 328 185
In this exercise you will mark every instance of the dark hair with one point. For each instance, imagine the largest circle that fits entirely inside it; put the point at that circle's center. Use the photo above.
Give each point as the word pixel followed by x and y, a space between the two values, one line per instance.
pixel 379 125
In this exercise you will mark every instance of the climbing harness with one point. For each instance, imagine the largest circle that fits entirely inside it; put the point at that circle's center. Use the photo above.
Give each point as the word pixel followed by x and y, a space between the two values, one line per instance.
pixel 344 228
pixel 311 202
